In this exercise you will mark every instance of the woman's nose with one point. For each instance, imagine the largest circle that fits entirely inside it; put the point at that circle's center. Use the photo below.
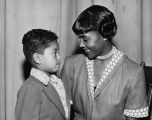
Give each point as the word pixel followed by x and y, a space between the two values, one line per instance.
pixel 82 43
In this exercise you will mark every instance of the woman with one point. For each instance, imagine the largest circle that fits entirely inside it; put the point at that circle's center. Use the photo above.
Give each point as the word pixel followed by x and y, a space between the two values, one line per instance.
pixel 102 82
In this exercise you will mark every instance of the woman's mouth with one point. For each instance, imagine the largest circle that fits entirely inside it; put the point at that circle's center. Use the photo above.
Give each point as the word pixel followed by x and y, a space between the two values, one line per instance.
pixel 86 50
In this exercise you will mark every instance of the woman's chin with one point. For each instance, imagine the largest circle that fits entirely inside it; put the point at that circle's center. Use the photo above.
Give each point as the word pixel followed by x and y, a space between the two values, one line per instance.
pixel 91 57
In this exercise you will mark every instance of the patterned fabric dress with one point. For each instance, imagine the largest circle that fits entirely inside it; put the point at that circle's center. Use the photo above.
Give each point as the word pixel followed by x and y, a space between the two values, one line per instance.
pixel 120 91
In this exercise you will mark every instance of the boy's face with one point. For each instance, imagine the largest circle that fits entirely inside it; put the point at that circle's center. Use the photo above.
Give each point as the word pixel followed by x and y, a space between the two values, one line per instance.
pixel 50 59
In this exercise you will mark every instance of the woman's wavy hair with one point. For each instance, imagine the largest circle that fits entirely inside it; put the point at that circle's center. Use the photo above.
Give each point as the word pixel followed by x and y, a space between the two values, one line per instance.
pixel 96 18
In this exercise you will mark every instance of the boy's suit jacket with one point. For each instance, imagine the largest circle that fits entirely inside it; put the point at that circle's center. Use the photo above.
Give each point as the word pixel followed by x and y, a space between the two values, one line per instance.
pixel 36 101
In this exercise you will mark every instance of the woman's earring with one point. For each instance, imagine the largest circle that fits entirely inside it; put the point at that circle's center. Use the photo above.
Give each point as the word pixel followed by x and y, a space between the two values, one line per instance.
pixel 104 39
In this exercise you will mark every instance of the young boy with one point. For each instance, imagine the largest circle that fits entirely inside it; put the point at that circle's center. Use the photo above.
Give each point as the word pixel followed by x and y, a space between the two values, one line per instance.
pixel 42 96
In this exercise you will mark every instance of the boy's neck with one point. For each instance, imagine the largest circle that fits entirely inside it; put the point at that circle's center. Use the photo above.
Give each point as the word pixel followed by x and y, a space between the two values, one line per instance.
pixel 47 73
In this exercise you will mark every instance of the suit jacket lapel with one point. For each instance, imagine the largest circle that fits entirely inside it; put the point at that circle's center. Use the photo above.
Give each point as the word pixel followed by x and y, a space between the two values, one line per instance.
pixel 52 94
pixel 68 104
pixel 108 79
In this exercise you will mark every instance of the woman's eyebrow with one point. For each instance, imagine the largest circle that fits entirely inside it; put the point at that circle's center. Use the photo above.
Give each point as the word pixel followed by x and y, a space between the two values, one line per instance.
pixel 82 36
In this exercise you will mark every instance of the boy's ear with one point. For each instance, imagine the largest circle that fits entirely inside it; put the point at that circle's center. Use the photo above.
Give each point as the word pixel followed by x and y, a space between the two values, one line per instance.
pixel 37 58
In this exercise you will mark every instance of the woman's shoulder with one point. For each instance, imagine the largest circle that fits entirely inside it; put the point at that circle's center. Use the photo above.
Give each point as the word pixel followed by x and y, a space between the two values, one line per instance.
pixel 130 65
pixel 75 58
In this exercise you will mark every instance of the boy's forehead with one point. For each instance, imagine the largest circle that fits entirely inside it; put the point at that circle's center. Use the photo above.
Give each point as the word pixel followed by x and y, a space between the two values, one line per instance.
pixel 54 45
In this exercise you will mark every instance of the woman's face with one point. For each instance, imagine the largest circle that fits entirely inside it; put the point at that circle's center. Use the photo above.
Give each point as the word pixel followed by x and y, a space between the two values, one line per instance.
pixel 92 43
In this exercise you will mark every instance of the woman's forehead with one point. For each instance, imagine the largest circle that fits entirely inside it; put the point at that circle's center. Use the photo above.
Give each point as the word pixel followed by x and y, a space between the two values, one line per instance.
pixel 88 34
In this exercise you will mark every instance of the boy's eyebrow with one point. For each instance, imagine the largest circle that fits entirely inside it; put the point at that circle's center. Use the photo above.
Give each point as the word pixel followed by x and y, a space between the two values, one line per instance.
pixel 56 49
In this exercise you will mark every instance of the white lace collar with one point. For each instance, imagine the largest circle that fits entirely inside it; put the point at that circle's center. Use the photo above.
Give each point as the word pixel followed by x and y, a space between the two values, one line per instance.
pixel 117 55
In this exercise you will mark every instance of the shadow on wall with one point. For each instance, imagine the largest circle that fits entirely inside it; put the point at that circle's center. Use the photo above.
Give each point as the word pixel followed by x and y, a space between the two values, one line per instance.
pixel 26 69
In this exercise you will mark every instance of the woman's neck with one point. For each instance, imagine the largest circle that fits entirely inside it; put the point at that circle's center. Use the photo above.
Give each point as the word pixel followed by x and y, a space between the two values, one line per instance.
pixel 107 51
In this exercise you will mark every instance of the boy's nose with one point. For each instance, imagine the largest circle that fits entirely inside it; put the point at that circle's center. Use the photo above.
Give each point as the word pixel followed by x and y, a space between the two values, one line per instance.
pixel 58 57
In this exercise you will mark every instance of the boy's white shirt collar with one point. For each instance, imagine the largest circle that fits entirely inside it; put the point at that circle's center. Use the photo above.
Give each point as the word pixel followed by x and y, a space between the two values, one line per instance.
pixel 41 76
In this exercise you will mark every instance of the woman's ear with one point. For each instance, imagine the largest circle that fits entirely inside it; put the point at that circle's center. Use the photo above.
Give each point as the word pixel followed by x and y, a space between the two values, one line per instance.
pixel 105 39
pixel 37 58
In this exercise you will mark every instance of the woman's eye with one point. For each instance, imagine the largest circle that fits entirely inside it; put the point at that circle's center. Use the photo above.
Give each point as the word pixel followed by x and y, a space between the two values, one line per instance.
pixel 85 40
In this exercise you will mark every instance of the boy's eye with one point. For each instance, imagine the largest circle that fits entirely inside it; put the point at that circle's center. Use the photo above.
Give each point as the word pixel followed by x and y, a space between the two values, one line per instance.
pixel 56 52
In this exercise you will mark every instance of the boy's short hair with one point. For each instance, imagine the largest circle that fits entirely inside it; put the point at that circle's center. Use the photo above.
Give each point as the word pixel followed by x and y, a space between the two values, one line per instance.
pixel 35 41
